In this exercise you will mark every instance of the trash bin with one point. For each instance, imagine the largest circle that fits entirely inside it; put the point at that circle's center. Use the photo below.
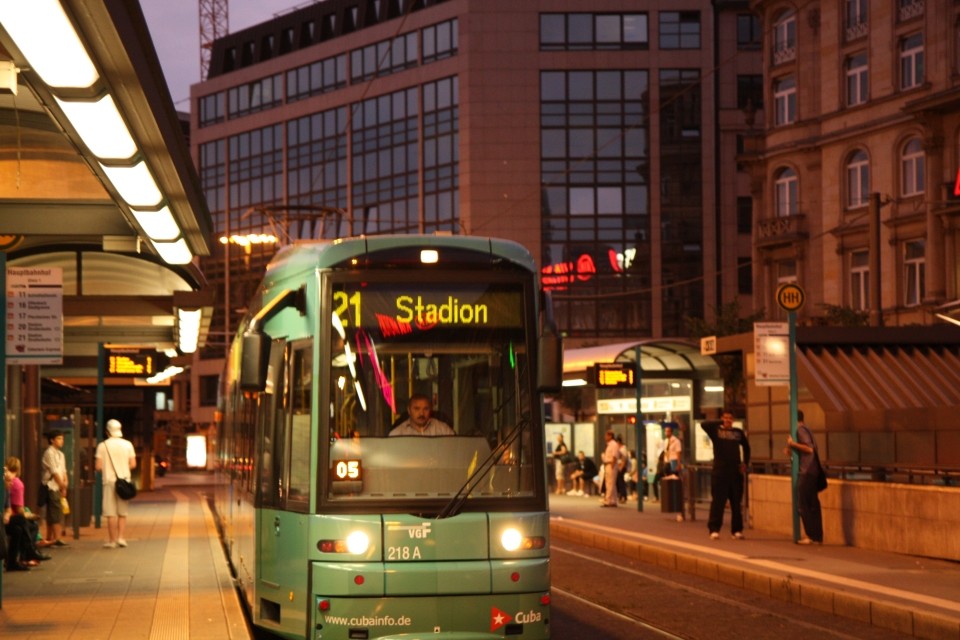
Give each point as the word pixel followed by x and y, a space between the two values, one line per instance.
pixel 671 495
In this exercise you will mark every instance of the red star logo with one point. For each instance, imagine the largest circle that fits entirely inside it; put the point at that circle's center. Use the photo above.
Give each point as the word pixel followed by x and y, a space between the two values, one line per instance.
pixel 498 618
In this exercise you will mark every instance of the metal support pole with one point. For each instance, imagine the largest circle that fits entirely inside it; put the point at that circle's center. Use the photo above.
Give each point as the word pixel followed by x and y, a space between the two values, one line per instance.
pixel 97 486
pixel 873 240
pixel 641 430
pixel 794 460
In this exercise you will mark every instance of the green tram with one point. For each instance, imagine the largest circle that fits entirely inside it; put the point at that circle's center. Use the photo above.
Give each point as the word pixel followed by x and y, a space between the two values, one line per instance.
pixel 334 528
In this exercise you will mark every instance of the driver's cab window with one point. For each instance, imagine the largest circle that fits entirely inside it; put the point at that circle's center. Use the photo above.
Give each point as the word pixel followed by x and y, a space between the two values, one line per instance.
pixel 415 410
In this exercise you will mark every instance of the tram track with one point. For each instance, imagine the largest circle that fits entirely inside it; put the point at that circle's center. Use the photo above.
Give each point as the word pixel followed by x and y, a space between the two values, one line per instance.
pixel 666 604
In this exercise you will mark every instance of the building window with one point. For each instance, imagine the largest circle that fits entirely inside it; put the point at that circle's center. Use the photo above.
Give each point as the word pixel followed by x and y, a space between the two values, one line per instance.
pixel 786 189
pixel 744 276
pixel 595 200
pixel 858 180
pixel 208 390
pixel 860 280
pixel 254 96
pixel 749 32
pixel 383 58
pixel 679 29
pixel 785 101
pixel 912 167
pixel 855 19
pixel 911 61
pixel 785 38
pixel 857 87
pixel 750 91
pixel 440 41
pixel 212 109
pixel 318 77
pixel 786 272
pixel 744 215
pixel 914 272
pixel 589 31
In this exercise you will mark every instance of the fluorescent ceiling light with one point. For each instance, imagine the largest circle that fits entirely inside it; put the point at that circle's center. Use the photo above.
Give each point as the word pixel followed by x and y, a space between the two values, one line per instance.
pixel 574 383
pixel 188 329
pixel 100 127
pixel 46 37
pixel 159 225
pixel 174 252
pixel 134 184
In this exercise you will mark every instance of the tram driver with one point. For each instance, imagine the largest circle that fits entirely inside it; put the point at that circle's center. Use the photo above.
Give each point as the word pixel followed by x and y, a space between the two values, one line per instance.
pixel 420 421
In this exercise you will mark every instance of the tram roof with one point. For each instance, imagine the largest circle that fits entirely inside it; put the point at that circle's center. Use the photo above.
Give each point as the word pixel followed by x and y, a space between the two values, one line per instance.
pixel 325 253
pixel 658 358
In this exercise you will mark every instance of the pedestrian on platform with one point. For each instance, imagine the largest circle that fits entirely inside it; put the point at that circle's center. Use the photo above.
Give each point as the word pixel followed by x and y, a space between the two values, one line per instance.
pixel 115 458
pixel 808 502
pixel 19 525
pixel 621 471
pixel 672 462
pixel 727 478
pixel 560 453
pixel 610 459
pixel 55 482
pixel 582 477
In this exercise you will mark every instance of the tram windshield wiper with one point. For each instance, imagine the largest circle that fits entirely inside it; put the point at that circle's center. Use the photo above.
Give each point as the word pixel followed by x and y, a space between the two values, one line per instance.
pixel 456 503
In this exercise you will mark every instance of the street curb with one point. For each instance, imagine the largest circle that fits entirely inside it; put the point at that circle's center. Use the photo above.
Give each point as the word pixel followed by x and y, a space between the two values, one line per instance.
pixel 884 614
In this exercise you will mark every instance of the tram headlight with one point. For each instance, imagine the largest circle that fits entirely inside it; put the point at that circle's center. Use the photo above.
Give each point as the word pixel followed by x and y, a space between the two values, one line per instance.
pixel 512 540
pixel 358 542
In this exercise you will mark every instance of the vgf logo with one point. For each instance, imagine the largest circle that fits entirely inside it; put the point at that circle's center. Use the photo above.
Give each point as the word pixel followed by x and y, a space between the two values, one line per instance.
pixel 418 531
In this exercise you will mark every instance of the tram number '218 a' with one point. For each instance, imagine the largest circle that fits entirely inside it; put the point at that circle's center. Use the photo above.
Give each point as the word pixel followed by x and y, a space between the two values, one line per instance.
pixel 403 553
pixel 342 300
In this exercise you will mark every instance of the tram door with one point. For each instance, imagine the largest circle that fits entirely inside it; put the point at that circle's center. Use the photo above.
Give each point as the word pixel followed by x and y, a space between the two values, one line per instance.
pixel 270 431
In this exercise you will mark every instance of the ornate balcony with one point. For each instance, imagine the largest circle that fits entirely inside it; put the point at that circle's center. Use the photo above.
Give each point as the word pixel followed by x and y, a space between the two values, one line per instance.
pixel 781 230
pixel 910 10
pixel 855 30
pixel 784 54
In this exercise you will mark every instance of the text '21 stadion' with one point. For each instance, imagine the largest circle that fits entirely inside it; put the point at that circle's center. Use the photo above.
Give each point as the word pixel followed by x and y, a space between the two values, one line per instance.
pixel 335 529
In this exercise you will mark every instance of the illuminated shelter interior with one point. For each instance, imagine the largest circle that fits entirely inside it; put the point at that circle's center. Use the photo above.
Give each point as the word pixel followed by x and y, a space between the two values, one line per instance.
pixel 71 137
pixel 658 359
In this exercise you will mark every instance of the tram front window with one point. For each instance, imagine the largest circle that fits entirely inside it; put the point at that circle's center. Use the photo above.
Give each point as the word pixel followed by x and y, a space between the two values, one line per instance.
pixel 388 346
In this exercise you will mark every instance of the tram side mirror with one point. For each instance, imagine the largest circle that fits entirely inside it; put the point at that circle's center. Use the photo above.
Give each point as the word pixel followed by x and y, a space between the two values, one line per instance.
pixel 550 362
pixel 254 360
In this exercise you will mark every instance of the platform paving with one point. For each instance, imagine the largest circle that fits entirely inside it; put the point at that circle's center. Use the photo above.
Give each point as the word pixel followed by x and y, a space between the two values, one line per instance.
pixel 171 582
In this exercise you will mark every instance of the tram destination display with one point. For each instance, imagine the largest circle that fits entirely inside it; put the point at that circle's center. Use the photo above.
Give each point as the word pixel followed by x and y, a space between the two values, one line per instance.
pixel 428 306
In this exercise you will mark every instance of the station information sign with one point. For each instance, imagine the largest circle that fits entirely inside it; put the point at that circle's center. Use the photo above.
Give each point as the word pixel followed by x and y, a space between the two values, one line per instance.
pixel 34 331
pixel 131 362
pixel 614 374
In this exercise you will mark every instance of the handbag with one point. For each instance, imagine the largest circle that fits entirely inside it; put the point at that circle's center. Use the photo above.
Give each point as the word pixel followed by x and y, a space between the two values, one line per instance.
pixel 125 489
pixel 821 475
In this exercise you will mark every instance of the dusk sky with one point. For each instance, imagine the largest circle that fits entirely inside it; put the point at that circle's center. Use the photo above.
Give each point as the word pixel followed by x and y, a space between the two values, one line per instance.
pixel 175 29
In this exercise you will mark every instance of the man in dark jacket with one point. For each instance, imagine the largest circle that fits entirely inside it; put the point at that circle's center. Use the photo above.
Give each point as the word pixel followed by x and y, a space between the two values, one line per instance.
pixel 726 481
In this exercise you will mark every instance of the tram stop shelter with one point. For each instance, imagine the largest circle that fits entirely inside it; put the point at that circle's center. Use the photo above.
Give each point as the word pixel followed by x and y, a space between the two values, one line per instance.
pixel 674 382
pixel 98 197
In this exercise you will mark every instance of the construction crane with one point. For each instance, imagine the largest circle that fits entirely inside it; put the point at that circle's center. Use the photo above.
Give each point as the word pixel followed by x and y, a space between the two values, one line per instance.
pixel 214 23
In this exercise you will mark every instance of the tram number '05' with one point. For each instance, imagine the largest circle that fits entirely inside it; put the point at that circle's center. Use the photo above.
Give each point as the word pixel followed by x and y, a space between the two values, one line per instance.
pixel 346 470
